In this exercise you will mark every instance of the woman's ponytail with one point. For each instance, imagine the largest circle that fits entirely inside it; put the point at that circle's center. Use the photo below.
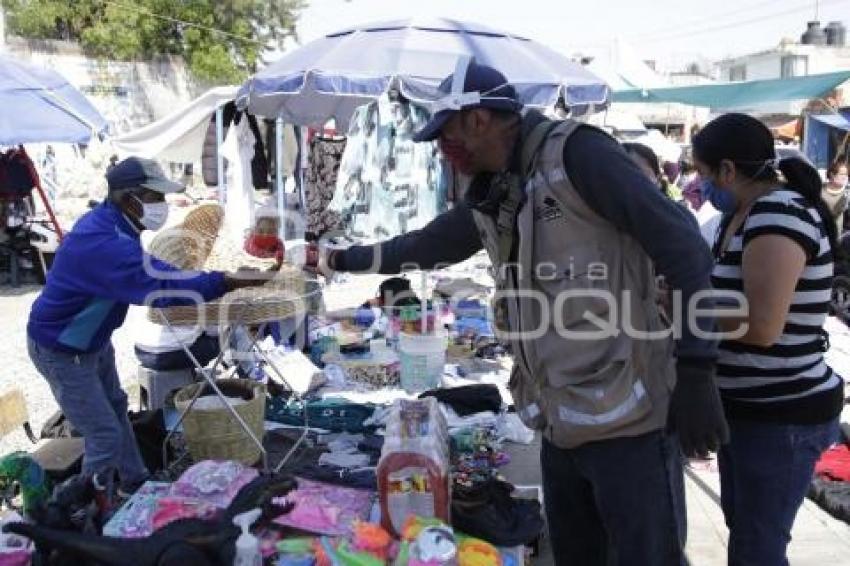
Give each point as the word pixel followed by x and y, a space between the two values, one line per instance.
pixel 805 179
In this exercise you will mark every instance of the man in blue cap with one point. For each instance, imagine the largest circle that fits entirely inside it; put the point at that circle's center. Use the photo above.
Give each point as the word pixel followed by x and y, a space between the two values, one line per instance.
pixel 576 234
pixel 99 270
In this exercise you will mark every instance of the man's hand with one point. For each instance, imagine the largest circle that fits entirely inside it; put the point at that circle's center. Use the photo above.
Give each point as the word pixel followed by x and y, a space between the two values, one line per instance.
pixel 696 412
pixel 319 260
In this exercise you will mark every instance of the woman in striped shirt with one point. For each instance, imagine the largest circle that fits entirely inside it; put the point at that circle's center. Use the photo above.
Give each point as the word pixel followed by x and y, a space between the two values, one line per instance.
pixel 781 399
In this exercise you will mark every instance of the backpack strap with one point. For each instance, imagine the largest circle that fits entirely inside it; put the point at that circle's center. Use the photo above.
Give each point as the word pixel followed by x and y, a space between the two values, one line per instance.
pixel 509 208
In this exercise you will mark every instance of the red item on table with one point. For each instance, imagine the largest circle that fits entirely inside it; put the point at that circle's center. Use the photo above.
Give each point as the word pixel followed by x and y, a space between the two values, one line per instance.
pixel 265 246
pixel 834 464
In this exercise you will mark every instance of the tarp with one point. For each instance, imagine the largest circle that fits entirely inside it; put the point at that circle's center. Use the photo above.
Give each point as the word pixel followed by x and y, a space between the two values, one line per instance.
pixel 788 130
pixel 622 68
pixel 38 105
pixel 178 137
pixel 832 120
pixel 619 121
pixel 820 139
pixel 333 75
pixel 739 94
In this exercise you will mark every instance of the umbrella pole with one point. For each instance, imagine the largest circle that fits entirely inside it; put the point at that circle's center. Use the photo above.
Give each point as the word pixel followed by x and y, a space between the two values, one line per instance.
pixel 219 158
pixel 278 174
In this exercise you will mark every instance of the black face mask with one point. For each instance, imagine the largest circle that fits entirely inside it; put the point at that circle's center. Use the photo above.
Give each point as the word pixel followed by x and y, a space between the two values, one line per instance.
pixel 488 190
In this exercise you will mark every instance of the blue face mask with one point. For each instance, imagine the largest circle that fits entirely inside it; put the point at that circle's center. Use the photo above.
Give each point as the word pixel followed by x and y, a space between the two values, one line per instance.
pixel 721 199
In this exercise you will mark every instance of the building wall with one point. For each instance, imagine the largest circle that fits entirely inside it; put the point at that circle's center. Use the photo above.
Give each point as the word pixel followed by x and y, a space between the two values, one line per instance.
pixel 768 65
pixel 128 94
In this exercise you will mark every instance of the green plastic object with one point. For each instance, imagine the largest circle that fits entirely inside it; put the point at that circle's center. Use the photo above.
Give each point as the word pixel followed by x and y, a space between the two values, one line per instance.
pixel 20 468
pixel 298 545
pixel 348 557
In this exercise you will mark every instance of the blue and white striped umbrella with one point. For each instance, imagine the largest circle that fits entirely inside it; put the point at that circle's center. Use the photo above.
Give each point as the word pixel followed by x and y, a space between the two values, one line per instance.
pixel 333 75
pixel 39 105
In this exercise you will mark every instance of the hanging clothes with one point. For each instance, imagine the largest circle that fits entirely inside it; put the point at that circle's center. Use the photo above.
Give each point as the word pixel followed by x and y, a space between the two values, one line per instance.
pixel 389 185
pixel 320 182
pixel 238 151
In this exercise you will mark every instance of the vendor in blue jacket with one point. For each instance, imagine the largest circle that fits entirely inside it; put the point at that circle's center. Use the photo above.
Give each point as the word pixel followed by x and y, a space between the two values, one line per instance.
pixel 99 270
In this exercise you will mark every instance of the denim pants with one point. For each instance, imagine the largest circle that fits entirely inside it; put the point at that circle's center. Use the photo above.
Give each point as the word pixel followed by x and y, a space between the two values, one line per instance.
pixel 87 389
pixel 618 501
pixel 765 472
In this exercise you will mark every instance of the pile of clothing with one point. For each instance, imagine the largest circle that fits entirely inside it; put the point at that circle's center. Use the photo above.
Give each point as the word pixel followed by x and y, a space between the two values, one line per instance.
pixel 831 486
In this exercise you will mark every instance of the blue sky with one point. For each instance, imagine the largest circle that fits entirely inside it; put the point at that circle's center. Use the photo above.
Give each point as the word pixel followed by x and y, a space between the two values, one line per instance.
pixel 670 31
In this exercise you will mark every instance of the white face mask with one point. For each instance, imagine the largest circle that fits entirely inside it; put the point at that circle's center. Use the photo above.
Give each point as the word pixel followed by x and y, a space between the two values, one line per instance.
pixel 154 214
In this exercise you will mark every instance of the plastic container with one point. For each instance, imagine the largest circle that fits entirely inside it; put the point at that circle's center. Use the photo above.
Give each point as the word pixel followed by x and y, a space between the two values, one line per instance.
pixel 422 357
pixel 413 472
pixel 247 545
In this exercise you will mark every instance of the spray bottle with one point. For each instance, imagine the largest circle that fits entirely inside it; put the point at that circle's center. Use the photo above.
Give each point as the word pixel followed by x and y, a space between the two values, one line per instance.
pixel 247 545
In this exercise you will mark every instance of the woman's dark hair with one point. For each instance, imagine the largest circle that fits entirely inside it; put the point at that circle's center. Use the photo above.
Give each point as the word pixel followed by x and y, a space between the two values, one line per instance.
pixel 748 144
pixel 646 153
pixel 836 165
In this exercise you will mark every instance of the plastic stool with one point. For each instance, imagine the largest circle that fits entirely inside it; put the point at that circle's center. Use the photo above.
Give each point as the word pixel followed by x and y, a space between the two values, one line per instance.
pixel 157 385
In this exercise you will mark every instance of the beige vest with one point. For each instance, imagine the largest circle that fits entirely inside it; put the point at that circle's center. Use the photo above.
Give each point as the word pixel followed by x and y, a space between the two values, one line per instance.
pixel 577 300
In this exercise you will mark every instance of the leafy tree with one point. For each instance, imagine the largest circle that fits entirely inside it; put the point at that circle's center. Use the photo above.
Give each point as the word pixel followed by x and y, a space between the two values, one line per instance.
pixel 221 40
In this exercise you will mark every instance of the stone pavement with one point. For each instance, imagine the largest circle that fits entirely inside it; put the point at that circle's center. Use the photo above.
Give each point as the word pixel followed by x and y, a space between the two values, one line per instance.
pixel 818 539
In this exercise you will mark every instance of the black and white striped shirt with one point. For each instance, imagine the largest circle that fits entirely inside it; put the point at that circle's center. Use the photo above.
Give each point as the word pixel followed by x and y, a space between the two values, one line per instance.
pixel 788 381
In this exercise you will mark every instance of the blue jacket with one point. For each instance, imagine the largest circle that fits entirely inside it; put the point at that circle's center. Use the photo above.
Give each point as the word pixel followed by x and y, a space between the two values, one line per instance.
pixel 99 270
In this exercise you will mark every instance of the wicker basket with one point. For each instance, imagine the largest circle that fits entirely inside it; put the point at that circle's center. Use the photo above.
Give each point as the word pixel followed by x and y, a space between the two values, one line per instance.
pixel 205 220
pixel 180 248
pixel 280 298
pixel 215 434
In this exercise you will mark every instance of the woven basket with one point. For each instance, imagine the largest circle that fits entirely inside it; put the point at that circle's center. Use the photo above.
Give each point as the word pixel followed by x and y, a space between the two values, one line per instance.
pixel 179 247
pixel 203 224
pixel 205 220
pixel 228 255
pixel 280 298
pixel 215 434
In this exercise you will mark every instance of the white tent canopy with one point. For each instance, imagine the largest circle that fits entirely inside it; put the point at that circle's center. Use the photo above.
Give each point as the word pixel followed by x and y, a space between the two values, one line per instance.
pixel 179 136
pixel 620 121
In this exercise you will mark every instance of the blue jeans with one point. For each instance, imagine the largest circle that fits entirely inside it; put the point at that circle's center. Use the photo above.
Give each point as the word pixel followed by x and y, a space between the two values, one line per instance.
pixel 765 471
pixel 87 389
pixel 618 501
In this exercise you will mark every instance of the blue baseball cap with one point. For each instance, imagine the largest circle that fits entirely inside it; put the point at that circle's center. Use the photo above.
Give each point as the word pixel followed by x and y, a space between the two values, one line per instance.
pixel 472 85
pixel 139 172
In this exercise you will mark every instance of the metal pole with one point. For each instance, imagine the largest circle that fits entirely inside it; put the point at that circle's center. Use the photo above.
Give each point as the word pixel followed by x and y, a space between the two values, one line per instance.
pixel 219 158
pixel 278 173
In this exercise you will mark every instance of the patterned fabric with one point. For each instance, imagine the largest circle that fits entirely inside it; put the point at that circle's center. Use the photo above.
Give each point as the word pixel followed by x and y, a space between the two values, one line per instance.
pixel 389 185
pixel 320 182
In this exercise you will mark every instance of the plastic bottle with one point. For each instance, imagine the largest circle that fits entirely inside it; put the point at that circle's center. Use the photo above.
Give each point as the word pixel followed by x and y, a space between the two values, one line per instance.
pixel 247 545
pixel 413 472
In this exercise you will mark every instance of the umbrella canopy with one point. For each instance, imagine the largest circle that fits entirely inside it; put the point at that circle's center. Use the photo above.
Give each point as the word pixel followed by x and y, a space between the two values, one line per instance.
pixel 333 75
pixel 38 105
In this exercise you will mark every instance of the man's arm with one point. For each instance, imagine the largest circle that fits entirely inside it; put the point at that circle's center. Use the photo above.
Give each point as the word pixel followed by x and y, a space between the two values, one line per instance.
pixel 120 270
pixel 450 238
pixel 616 189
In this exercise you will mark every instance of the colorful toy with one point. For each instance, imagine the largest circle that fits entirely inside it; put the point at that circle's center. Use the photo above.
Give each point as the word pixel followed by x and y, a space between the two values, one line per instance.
pixel 19 468
pixel 476 552
pixel 371 538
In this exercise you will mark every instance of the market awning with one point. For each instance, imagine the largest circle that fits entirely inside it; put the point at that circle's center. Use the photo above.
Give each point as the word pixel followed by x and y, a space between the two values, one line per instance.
pixel 789 130
pixel 837 120
pixel 739 94
pixel 178 137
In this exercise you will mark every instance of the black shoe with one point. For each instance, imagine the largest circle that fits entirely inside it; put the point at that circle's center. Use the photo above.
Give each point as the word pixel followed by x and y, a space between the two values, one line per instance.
pixel 490 513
